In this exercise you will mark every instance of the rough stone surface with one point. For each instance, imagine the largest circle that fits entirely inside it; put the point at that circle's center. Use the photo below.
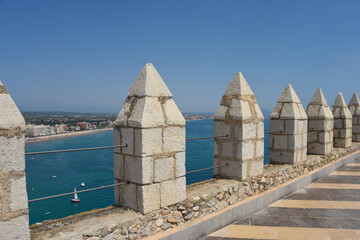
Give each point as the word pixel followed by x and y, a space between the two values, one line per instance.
pixel 13 197
pixel 154 130
pixel 240 119
pixel 342 123
pixel 354 107
pixel 288 129
pixel 320 125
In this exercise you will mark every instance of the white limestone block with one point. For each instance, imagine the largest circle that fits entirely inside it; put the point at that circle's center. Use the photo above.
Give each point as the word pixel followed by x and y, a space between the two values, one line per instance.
pixel 288 95
pixel 174 139
pixel 10 116
pixel 313 111
pixel 304 140
pixel 275 114
pixel 180 164
pixel 238 87
pixel 18 194
pixel 172 191
pixel 148 197
pixel 147 112
pixel 124 114
pixel 317 125
pixel 173 114
pixel 119 166
pixel 294 141
pixel 216 148
pixel 313 137
pixel 16 228
pixel 338 123
pixel 255 168
pixel 148 142
pixel 336 112
pixel 277 126
pixel 348 123
pixel 260 129
pixel 246 150
pixel 164 169
pixel 221 129
pixel 12 154
pixel 259 148
pixel 258 112
pixel 149 83
pixel 127 196
pixel 220 113
pixel 245 131
pixel 329 125
pixel 139 169
pixel 293 126
pixel 227 149
pixel 116 137
pixel 239 109
pixel 281 142
pixel 127 137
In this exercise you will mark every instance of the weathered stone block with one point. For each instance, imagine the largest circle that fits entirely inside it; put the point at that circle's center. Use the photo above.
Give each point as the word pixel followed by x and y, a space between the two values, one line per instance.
pixel 12 154
pixel 180 164
pixel 16 228
pixel 280 142
pixel 216 148
pixel 173 114
pixel 127 196
pixel 148 142
pixel 221 129
pixel 127 137
pixel 174 139
pixel 227 149
pixel 246 150
pixel 139 169
pixel 277 126
pixel 260 129
pixel 147 113
pixel 293 127
pixel 312 137
pixel 117 138
pixel 172 191
pixel 295 142
pixel 119 166
pixel 18 195
pixel 255 168
pixel 239 109
pixel 148 197
pixel 259 149
pixel 164 169
pixel 245 131
pixel 317 125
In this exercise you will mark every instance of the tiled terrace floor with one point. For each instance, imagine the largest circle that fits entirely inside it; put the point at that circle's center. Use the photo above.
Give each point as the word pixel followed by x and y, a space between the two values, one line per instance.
pixel 326 209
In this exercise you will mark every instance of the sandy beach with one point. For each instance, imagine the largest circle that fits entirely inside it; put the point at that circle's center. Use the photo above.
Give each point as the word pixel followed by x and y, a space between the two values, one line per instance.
pixel 63 135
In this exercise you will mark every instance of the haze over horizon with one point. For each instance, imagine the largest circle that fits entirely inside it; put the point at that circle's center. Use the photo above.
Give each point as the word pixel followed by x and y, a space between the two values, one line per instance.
pixel 83 56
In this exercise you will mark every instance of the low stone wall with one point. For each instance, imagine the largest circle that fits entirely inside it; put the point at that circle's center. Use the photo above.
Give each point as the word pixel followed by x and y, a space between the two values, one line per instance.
pixel 202 199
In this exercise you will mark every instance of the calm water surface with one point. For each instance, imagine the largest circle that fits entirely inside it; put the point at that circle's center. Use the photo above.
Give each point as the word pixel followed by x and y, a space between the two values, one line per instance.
pixel 95 168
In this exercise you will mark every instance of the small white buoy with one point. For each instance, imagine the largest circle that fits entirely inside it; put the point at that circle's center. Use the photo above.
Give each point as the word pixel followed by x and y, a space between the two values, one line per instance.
pixel 83 184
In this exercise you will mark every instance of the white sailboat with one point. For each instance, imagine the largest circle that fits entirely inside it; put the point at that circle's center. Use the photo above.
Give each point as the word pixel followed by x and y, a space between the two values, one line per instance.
pixel 75 199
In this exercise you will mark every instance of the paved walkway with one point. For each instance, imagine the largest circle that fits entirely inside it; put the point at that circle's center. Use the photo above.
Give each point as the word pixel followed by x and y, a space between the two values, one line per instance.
pixel 326 209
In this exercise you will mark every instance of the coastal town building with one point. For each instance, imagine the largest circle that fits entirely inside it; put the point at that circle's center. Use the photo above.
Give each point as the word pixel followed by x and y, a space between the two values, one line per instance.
pixel 38 130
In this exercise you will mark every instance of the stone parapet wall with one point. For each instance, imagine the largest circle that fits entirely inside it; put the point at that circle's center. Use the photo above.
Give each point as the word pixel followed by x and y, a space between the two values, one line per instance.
pixel 342 123
pixel 153 162
pixel 354 107
pixel 320 125
pixel 288 129
pixel 14 219
pixel 202 199
pixel 239 132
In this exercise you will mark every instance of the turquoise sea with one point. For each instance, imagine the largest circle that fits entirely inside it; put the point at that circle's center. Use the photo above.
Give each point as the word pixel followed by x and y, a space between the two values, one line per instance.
pixel 95 168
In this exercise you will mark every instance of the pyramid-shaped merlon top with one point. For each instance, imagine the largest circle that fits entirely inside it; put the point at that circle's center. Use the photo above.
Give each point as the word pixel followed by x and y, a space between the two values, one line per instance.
pixel 339 101
pixel 3 89
pixel 354 100
pixel 318 98
pixel 149 83
pixel 238 87
pixel 10 116
pixel 288 96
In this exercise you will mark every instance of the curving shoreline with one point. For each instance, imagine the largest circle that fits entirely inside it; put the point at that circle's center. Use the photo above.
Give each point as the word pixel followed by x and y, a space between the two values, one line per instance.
pixel 64 135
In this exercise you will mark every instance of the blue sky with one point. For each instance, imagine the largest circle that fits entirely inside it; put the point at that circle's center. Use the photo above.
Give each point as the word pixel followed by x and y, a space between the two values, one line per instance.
pixel 84 55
